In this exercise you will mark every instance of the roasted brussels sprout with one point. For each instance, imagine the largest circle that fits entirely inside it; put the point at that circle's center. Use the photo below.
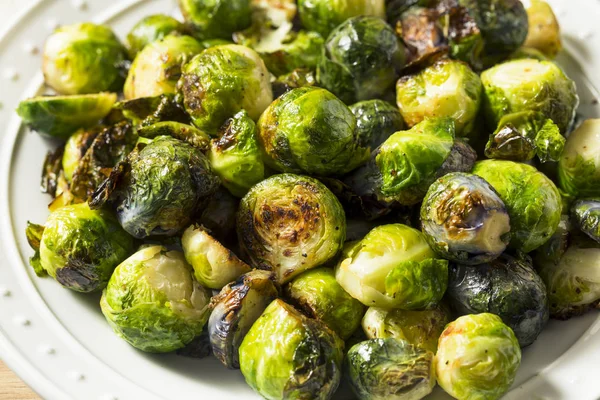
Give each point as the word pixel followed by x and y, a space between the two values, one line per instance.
pixel 235 309
pixel 464 220
pixel 477 358
pixel 177 130
pixel 75 149
pixel 83 58
pixel 289 224
pixel 80 247
pixel 61 116
pixel 153 302
pixel 223 80
pixel 157 67
pixel 393 267
pixel 586 216
pixel 361 59
pixel 310 130
pixel 448 88
pixel 215 18
pixel 544 31
pixel 297 78
pixel 317 293
pixel 286 355
pixel 390 369
pixel 150 29
pixel 532 201
pixel 376 120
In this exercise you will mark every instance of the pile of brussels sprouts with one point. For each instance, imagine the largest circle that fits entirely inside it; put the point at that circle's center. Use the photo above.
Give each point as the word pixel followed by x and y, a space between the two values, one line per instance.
pixel 393 193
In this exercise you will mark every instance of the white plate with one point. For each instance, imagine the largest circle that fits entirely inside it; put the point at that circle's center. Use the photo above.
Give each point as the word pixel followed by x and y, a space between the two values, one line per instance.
pixel 58 341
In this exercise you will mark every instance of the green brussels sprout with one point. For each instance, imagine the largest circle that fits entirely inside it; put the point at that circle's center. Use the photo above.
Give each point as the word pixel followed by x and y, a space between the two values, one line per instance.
pixel 477 358
pixel 586 216
pixel 361 59
pixel 544 31
pixel 235 156
pixel 212 19
pixel 75 149
pixel 579 165
pixel 235 309
pixel 393 267
pixel 324 15
pixel 420 328
pixel 297 78
pixel 61 116
pixel 223 80
pixel 286 355
pixel 448 88
pixel 80 247
pixel 214 265
pixel 507 287
pixel 289 224
pixel 310 130
pixel 464 220
pixel 317 293
pixel 150 29
pixel 153 302
pixel 177 130
pixel 390 369
pixel 376 120
pixel 83 58
pixel 157 67
pixel 532 201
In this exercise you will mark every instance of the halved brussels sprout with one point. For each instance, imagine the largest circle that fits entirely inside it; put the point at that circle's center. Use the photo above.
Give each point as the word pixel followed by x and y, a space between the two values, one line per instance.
pixel 390 369
pixel 464 220
pixel 532 201
pixel 361 59
pixel 544 31
pixel 297 78
pixel 157 67
pixel 286 355
pixel 289 224
pixel 153 302
pixel 177 130
pixel 317 293
pixel 61 116
pixel 75 149
pixel 80 247
pixel 376 120
pixel 393 267
pixel 216 18
pixel 83 58
pixel 586 216
pixel 235 309
pixel 150 29
pixel 477 358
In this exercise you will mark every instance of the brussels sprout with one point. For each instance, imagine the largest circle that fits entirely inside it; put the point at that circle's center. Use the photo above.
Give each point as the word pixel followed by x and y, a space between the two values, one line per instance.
pixel 157 68
pixel 223 80
pixel 83 58
pixel 390 369
pixel 477 358
pixel 532 201
pixel 544 31
pixel 310 130
pixel 235 310
pixel 286 355
pixel 177 130
pixel 214 265
pixel 60 116
pixel 215 18
pixel 448 88
pixel 235 156
pixel 153 302
pixel 156 191
pixel 317 293
pixel 75 149
pixel 393 267
pixel 586 216
pixel 420 328
pixel 297 78
pixel 289 224
pixel 464 220
pixel 376 120
pixel 150 29
pixel 146 111
pixel 361 59
pixel 80 247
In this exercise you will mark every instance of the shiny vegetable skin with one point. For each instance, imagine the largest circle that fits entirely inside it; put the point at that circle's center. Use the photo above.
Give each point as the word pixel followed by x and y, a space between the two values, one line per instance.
pixel 544 30
pixel 216 19
pixel 376 120
pixel 585 214
pixel 75 149
pixel 150 29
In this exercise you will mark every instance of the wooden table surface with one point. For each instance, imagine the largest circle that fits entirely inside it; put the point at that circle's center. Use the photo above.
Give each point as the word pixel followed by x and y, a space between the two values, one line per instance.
pixel 13 388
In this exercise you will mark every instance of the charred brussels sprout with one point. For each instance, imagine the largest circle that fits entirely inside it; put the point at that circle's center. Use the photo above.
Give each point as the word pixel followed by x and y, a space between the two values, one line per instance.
pixel 390 369
pixel 317 293
pixel 310 130
pixel 223 80
pixel 150 29
pixel 75 149
pixel 464 220
pixel 80 247
pixel 376 120
pixel 532 201
pixel 216 18
pixel 153 302
pixel 83 58
pixel 544 31
pixel 478 357
pixel 361 59
pixel 289 224
pixel 286 355
pixel 586 216
pixel 448 88
pixel 393 267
